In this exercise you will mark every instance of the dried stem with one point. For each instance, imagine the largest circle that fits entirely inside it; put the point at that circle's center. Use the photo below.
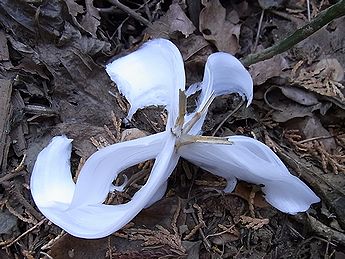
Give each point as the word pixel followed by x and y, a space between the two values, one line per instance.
pixel 333 12
pixel 131 12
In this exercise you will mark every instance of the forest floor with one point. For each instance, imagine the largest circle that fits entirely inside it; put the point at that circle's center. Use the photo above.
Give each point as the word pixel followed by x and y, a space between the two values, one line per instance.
pixel 53 81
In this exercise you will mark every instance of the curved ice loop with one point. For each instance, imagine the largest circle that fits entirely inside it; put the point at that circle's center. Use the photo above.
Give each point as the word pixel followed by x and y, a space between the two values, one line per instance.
pixel 152 75
pixel 78 209
pixel 224 74
pixel 51 181
pixel 252 161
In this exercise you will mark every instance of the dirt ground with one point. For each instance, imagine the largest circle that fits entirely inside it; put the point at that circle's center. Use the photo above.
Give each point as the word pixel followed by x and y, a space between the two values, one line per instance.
pixel 53 82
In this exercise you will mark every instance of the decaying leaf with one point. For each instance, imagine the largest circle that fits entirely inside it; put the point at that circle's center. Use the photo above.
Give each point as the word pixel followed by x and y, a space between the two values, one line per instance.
pixel 291 102
pixel 331 68
pixel 74 8
pixel 311 127
pixel 216 28
pixel 243 190
pixel 264 70
pixel 91 19
pixel 191 45
pixel 174 20
pixel 134 133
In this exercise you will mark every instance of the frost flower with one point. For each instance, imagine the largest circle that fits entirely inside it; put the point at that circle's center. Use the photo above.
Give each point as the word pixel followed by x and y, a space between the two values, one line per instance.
pixel 154 75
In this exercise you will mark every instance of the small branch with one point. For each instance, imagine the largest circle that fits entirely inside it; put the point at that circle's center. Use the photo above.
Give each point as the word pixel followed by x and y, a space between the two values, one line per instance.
pixel 26 232
pixel 129 11
pixel 333 12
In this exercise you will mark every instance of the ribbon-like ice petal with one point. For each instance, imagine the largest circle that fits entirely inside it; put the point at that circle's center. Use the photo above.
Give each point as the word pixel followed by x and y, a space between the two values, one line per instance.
pixel 224 74
pixel 250 160
pixel 51 180
pixel 152 75
pixel 78 209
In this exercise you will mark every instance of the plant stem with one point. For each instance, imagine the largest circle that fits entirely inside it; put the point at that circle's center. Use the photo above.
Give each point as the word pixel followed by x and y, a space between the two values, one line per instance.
pixel 323 18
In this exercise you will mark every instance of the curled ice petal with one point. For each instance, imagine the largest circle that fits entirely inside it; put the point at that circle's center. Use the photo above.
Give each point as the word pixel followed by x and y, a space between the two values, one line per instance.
pixel 224 74
pixel 252 161
pixel 158 195
pixel 152 75
pixel 51 181
pixel 78 209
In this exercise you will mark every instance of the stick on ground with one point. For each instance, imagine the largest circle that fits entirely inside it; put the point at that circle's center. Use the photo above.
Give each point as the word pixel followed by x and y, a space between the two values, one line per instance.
pixel 333 12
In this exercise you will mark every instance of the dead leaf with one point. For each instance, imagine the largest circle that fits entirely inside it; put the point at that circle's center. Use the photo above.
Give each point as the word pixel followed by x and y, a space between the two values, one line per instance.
pixel 216 28
pixel 311 127
pixel 174 20
pixel 229 236
pixel 331 68
pixel 264 70
pixel 91 19
pixel 134 133
pixel 286 109
pixel 193 249
pixel 29 66
pixel 299 95
pixel 191 45
pixel 73 8
pixel 244 190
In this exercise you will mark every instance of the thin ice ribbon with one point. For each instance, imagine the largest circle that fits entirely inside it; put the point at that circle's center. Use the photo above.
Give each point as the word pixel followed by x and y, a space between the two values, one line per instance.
pixel 154 75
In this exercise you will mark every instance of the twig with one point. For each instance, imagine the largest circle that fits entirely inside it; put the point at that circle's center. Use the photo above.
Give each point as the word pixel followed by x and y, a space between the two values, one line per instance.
pixel 26 232
pixel 227 230
pixel 194 230
pixel 206 243
pixel 132 13
pixel 315 138
pixel 259 29
pixel 228 116
pixel 53 241
pixel 9 176
pixel 333 12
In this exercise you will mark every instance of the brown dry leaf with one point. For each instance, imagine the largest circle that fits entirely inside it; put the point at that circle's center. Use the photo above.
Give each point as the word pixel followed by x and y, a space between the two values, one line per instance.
pixel 243 190
pixel 134 133
pixel 227 234
pixel 311 127
pixel 264 70
pixel 253 223
pixel 330 67
pixel 174 20
pixel 291 102
pixel 191 45
pixel 217 29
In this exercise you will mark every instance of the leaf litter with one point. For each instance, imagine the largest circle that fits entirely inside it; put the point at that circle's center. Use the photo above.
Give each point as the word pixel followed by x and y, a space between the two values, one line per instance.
pixel 52 57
